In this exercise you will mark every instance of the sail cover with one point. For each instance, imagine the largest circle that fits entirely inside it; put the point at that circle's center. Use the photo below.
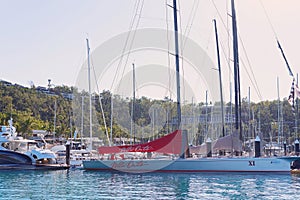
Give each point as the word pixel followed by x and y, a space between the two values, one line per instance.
pixel 229 143
pixel 170 143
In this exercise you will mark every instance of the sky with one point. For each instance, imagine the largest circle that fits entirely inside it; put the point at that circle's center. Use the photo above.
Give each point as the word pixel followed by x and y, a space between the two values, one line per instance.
pixel 43 40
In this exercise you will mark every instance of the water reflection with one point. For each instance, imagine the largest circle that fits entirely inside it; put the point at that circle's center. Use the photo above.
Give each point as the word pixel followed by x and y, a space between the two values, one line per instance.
pixel 80 184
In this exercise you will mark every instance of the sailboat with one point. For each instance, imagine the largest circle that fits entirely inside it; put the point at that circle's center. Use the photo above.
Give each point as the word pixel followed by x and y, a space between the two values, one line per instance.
pixel 78 150
pixel 176 143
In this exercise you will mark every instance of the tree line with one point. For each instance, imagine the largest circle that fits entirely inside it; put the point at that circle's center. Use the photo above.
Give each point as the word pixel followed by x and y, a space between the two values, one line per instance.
pixel 32 109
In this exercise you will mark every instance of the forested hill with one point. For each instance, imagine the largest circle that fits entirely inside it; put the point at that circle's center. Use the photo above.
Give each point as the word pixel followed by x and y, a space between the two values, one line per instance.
pixel 34 109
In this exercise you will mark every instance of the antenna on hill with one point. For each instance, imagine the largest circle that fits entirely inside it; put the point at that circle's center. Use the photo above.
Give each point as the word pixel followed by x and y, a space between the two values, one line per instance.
pixel 31 83
pixel 49 83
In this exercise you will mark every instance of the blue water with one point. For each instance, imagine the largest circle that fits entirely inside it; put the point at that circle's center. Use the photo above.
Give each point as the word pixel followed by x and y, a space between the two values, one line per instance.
pixel 80 184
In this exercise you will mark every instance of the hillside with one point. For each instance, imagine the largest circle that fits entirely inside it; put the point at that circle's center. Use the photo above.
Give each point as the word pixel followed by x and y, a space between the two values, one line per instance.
pixel 34 109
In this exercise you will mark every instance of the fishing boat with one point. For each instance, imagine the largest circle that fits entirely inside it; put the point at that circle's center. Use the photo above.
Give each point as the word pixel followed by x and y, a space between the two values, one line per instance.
pixel 175 144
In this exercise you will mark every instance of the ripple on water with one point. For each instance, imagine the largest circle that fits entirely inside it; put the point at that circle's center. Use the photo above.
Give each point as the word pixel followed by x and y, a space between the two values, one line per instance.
pixel 80 184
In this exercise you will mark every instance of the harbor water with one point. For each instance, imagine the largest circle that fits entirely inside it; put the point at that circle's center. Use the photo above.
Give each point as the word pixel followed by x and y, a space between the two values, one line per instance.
pixel 81 184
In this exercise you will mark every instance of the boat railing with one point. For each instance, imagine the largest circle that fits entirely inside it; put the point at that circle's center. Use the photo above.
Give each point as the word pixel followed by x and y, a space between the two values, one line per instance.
pixel 136 156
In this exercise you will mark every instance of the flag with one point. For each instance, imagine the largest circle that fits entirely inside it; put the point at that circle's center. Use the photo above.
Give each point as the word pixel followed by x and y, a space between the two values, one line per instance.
pixel 291 99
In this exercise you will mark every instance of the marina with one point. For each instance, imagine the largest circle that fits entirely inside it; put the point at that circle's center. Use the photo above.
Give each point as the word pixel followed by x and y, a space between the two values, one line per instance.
pixel 167 108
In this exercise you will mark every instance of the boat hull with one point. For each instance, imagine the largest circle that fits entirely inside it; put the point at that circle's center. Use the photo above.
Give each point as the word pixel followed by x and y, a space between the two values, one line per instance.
pixel 12 157
pixel 280 165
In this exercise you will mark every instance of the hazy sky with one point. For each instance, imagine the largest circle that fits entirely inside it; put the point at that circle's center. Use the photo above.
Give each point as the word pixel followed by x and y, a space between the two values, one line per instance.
pixel 43 40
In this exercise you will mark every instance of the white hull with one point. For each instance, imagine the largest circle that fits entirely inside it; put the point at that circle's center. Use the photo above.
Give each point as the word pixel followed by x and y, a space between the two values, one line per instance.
pixel 237 164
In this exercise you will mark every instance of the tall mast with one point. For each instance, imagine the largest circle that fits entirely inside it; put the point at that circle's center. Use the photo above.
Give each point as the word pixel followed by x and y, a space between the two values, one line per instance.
pixel 278 112
pixel 133 103
pixel 206 113
pixel 249 113
pixel 111 118
pixel 71 127
pixel 238 121
pixel 296 112
pixel 177 64
pixel 230 89
pixel 220 77
pixel 82 113
pixel 90 93
pixel 55 109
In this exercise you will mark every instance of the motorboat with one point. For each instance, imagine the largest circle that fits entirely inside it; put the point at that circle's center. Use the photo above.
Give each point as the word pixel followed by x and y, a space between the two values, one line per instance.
pixel 15 153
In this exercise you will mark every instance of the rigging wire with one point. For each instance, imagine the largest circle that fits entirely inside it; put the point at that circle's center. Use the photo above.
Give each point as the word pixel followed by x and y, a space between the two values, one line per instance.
pixel 220 17
pixel 268 18
pixel 228 45
pixel 168 41
pixel 254 82
pixel 136 8
pixel 276 37
pixel 139 13
pixel 191 18
pixel 209 40
pixel 187 30
pixel 229 36
pixel 154 18
pixel 100 101
pixel 226 58
pixel 181 49
pixel 223 49
pixel 255 85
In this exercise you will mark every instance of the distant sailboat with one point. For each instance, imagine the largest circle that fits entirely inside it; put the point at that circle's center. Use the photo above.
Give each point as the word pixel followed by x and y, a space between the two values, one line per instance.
pixel 79 151
pixel 90 94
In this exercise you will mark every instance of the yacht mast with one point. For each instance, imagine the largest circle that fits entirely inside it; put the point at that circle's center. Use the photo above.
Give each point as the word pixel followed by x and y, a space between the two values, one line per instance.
pixel 111 118
pixel 82 113
pixel 54 123
pixel 220 78
pixel 296 112
pixel 278 112
pixel 90 93
pixel 206 113
pixel 238 121
pixel 133 103
pixel 177 64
